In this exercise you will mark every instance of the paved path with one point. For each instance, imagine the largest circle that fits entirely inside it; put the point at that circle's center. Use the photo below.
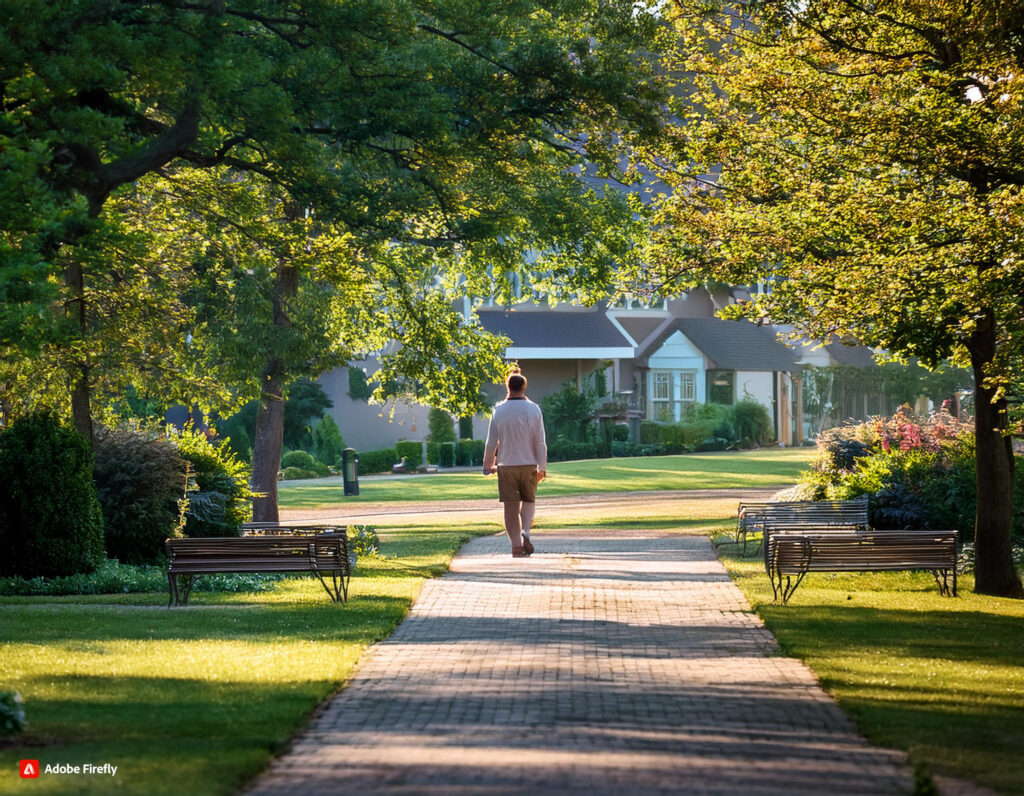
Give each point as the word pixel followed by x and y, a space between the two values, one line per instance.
pixel 608 663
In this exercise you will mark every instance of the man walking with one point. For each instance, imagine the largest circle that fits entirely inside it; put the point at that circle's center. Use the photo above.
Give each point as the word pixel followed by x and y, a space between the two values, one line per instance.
pixel 515 441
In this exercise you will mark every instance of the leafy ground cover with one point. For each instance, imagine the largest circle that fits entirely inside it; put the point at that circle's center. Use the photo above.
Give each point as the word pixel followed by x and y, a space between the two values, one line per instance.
pixel 938 677
pixel 194 700
pixel 765 467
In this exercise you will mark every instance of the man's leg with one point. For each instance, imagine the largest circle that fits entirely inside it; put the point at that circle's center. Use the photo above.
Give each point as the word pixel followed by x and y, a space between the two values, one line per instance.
pixel 529 508
pixel 513 526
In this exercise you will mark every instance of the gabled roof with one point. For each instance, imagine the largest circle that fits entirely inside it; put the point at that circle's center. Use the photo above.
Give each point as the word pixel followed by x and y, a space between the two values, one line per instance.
pixel 535 329
pixel 856 356
pixel 731 345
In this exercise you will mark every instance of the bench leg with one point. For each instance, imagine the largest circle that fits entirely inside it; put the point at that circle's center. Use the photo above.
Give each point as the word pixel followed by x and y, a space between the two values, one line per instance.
pixel 187 591
pixel 946 579
pixel 736 541
pixel 338 590
pixel 172 581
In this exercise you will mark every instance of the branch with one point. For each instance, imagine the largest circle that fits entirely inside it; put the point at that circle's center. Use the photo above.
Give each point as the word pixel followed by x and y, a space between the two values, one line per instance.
pixel 454 38
pixel 162 151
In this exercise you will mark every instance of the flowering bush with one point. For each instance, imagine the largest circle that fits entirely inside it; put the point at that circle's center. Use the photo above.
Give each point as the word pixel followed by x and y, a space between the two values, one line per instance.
pixel 919 471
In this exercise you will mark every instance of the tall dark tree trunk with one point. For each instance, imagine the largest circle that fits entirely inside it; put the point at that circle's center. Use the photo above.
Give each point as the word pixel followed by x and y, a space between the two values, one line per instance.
pixel 994 570
pixel 267 444
pixel 269 437
pixel 81 385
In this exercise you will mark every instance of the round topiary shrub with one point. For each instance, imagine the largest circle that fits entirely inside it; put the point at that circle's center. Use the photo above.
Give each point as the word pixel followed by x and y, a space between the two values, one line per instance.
pixel 139 480
pixel 300 459
pixel 50 519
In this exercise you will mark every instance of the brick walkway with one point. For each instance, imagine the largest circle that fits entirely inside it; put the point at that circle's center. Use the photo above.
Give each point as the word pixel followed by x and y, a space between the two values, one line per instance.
pixel 623 663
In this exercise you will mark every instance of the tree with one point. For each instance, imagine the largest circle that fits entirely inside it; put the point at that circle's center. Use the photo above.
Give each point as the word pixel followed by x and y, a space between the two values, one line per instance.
pixel 435 145
pixel 864 161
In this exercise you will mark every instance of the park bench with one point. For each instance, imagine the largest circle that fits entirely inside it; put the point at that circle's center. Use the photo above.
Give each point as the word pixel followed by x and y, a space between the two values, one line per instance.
pixel 765 516
pixel 790 555
pixel 323 554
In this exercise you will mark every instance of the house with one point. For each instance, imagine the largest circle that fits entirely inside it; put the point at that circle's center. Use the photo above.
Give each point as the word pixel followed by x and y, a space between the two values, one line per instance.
pixel 660 357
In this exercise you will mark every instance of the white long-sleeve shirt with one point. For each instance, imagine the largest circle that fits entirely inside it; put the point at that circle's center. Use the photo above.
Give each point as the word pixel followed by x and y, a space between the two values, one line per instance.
pixel 516 435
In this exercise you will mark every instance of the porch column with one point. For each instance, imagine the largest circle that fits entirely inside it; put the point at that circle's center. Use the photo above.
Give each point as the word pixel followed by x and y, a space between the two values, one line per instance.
pixel 798 404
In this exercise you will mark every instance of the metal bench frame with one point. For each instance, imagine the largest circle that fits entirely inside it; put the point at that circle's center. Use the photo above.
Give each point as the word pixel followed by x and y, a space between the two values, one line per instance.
pixel 324 554
pixel 765 516
pixel 790 555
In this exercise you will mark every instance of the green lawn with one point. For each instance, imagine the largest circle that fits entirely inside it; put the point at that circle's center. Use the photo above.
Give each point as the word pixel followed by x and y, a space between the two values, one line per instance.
pixel 194 700
pixel 767 467
pixel 942 678
pixel 197 700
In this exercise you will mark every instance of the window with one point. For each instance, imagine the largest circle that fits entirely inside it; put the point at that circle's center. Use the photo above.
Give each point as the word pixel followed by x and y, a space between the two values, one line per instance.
pixel 687 386
pixel 721 386
pixel 671 392
pixel 662 386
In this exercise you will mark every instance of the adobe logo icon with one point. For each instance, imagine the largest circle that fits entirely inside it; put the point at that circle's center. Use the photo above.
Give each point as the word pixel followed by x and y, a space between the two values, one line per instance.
pixel 28 769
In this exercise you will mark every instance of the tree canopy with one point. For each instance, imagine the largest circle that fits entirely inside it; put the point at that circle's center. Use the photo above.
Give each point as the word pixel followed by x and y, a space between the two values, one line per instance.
pixel 218 197
pixel 863 162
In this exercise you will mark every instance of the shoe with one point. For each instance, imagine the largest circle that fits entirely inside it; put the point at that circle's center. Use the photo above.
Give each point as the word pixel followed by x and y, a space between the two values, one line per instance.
pixel 527 545
pixel 518 552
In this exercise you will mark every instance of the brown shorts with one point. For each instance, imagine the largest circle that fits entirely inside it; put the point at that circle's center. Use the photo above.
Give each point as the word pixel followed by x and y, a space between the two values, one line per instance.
pixel 517 484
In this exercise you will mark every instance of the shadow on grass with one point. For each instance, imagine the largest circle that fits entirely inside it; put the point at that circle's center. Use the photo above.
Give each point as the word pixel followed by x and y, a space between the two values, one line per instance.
pixel 64 624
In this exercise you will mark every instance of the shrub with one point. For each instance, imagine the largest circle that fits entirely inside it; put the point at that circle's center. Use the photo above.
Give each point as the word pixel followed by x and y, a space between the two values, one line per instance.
pixel 112 577
pixel 620 433
pixel 12 713
pixel 469 452
pixel 50 519
pixel 650 432
pixel 719 417
pixel 713 444
pixel 327 440
pixel 441 426
pixel 411 451
pixel 443 453
pixel 681 437
pixel 633 449
pixel 752 422
pixel 562 451
pixel 363 540
pixel 919 472
pixel 297 473
pixel 218 480
pixel 379 461
pixel 568 413
pixel 301 459
pixel 139 480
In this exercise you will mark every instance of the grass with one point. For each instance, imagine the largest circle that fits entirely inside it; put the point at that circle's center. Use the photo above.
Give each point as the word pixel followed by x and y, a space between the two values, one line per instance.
pixel 941 678
pixel 198 700
pixel 195 700
pixel 767 467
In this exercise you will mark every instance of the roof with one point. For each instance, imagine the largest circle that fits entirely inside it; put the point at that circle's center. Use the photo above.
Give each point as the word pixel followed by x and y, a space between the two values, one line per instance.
pixel 856 356
pixel 732 345
pixel 535 329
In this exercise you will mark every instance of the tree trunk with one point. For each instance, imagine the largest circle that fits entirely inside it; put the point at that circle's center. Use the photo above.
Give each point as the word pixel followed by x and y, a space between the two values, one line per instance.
pixel 994 570
pixel 269 437
pixel 81 403
pixel 81 386
pixel 267 444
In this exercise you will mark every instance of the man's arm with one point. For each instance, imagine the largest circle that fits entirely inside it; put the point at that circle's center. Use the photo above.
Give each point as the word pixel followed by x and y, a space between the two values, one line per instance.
pixel 540 446
pixel 490 447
